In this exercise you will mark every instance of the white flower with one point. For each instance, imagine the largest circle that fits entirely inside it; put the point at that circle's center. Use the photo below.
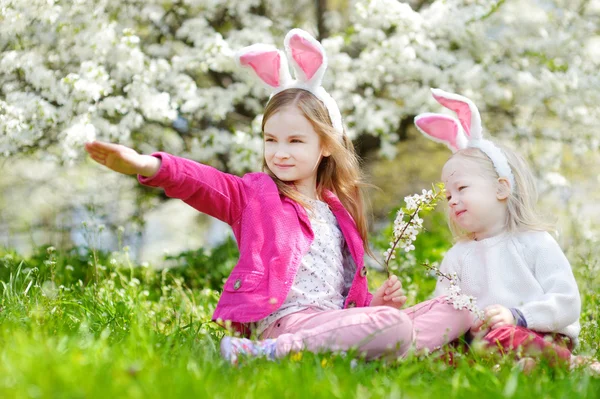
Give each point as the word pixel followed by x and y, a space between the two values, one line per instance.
pixel 405 231
pixel 454 294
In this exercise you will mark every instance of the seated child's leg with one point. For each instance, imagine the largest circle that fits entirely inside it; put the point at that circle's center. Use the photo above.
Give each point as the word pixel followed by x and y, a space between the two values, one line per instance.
pixel 374 331
pixel 436 323
pixel 516 338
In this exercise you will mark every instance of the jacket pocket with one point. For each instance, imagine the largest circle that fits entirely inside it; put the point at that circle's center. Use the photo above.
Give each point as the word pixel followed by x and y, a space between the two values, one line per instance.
pixel 243 282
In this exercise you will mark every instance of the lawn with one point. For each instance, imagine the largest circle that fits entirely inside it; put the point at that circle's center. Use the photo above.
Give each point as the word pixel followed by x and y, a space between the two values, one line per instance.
pixel 84 324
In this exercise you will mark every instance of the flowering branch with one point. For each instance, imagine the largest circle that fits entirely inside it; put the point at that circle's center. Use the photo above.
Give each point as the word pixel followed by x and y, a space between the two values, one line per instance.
pixel 455 295
pixel 405 231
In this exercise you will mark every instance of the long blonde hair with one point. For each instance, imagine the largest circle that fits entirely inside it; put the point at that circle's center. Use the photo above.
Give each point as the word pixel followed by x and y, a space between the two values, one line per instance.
pixel 340 172
pixel 521 203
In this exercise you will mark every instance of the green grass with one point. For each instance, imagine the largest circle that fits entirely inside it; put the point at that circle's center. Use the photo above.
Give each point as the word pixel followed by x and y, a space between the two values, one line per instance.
pixel 78 325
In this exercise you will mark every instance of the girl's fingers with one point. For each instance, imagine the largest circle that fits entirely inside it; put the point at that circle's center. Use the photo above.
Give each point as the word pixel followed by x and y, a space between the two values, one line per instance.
pixel 497 321
pixel 400 299
pixel 102 146
pixel 95 146
pixel 396 291
pixel 476 327
pixel 101 160
pixel 393 284
pixel 491 311
pixel 95 153
pixel 95 150
pixel 393 295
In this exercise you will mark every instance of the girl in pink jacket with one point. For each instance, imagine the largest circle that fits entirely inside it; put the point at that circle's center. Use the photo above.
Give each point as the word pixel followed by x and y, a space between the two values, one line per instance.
pixel 300 283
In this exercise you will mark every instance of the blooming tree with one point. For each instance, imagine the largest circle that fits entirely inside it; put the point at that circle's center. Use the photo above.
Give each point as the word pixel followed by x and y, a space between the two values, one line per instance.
pixel 159 74
pixel 133 72
pixel 161 71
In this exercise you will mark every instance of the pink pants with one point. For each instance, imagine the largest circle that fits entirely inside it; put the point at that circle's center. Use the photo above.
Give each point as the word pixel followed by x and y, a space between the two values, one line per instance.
pixel 375 331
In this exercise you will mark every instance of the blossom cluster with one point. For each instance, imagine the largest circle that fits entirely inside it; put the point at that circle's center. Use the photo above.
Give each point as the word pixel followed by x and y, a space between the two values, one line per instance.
pixel 454 294
pixel 125 67
pixel 408 223
pixel 159 74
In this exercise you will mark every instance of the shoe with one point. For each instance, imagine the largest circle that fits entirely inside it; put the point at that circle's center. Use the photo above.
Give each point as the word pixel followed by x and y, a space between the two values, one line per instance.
pixel 232 348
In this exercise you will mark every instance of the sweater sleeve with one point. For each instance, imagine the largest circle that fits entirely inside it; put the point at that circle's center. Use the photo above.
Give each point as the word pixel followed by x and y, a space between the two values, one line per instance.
pixel 560 305
pixel 203 187
pixel 450 265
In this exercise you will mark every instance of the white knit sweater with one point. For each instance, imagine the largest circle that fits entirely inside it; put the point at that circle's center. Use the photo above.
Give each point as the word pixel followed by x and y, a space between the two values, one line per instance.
pixel 527 271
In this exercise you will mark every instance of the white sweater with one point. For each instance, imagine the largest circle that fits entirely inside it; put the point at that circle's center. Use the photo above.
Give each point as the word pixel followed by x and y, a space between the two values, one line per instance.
pixel 527 271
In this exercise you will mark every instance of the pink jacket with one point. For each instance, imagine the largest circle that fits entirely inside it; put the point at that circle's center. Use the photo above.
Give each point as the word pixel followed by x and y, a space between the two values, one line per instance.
pixel 273 233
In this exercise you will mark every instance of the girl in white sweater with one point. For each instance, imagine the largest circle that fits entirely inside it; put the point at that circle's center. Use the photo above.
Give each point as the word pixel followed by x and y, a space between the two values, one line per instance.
pixel 504 256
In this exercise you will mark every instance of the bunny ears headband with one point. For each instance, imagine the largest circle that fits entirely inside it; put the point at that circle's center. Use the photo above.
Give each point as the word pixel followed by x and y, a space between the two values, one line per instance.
pixel 309 63
pixel 462 133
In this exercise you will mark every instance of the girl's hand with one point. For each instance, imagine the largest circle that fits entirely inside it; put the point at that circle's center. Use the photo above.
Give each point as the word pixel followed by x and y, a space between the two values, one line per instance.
pixel 496 316
pixel 122 159
pixel 479 328
pixel 389 294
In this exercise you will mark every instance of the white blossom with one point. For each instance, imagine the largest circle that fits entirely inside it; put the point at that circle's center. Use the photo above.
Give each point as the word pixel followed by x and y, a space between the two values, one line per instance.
pixel 454 294
pixel 408 223
pixel 520 61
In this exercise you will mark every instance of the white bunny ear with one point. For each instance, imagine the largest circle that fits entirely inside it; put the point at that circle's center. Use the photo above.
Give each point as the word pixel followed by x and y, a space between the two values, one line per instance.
pixel 465 109
pixel 443 129
pixel 307 57
pixel 269 64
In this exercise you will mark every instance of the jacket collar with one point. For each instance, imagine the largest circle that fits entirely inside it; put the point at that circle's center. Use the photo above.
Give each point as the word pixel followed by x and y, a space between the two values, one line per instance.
pixel 348 227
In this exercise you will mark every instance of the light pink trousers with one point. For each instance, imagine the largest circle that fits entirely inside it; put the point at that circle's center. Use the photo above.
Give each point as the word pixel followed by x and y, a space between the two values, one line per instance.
pixel 375 331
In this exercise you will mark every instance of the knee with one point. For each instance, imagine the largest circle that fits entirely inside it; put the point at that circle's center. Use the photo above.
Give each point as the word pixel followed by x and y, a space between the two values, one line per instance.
pixel 463 318
pixel 395 325
pixel 389 315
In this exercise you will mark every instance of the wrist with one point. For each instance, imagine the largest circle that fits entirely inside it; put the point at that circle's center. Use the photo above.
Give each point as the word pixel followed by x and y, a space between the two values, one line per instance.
pixel 149 166
pixel 518 318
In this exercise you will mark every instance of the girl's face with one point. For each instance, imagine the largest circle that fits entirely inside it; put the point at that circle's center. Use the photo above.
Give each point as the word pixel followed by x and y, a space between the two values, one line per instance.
pixel 293 149
pixel 476 202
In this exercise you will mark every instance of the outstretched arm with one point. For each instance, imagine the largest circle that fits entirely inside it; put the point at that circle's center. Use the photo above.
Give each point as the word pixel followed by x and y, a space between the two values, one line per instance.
pixel 205 188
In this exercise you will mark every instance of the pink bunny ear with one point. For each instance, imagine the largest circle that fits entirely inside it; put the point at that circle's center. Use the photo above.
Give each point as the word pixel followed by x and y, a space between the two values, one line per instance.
pixel 307 55
pixel 443 129
pixel 465 109
pixel 269 64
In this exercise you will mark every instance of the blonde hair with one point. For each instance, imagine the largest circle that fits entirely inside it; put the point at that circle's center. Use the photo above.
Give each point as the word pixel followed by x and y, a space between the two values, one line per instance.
pixel 521 203
pixel 340 172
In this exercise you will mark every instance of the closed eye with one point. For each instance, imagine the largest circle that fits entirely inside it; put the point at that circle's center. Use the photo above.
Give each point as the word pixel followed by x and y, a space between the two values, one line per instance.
pixel 296 141
pixel 462 188
pixel 448 198
pixel 269 140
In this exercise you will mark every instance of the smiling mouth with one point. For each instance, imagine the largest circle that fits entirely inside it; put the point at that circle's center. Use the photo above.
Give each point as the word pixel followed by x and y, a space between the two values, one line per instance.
pixel 283 166
pixel 457 214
